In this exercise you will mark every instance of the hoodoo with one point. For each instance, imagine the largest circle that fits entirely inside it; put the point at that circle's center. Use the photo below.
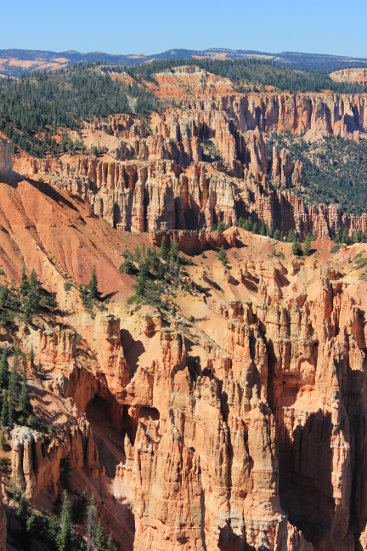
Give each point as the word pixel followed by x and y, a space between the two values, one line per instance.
pixel 183 301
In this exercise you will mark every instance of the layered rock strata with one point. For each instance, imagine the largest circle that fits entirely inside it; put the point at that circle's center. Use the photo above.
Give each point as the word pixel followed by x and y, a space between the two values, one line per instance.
pixel 236 421
pixel 207 161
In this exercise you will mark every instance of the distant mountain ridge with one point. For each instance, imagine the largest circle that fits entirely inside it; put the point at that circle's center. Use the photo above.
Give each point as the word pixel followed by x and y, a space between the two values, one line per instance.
pixel 14 62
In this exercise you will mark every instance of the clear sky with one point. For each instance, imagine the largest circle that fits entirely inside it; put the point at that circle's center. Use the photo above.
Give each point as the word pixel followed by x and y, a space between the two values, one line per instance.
pixel 152 26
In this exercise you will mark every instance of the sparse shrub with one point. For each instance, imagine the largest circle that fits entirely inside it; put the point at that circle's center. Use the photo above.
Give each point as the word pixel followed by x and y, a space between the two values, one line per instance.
pixel 307 245
pixel 296 248
pixel 222 256
pixel 335 248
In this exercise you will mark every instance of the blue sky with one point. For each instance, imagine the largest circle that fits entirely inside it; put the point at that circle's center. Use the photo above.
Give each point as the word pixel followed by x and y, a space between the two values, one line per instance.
pixel 118 26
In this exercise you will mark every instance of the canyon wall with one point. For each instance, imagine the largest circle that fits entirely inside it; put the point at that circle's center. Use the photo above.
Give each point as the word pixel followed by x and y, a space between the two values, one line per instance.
pixel 233 420
pixel 226 411
pixel 152 196
pixel 206 161
pixel 312 115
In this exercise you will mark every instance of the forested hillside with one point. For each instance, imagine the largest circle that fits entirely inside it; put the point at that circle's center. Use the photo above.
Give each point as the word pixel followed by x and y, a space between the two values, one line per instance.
pixel 34 107
pixel 335 170
pixel 260 73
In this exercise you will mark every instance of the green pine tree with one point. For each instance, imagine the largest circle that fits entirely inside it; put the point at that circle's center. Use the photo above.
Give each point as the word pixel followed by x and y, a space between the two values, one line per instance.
pixel 307 245
pixel 27 307
pixel 164 250
pixel 24 283
pixel 359 236
pixel 221 227
pixel 31 356
pixel 4 371
pixel 91 524
pixel 127 266
pixel 92 286
pixel 31 523
pixel 222 256
pixel 5 411
pixel 39 368
pixel 14 385
pixel 34 293
pixel 160 271
pixel 141 284
pixel 100 537
pixel 345 237
pixel 65 536
pixel 296 248
pixel 174 250
pixel 22 508
pixel 3 440
pixel 277 235
pixel 247 225
pixel 338 236
pixel 4 296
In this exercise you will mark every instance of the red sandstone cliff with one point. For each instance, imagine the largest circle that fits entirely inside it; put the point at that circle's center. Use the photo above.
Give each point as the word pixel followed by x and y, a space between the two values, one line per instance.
pixel 150 196
pixel 235 422
pixel 236 419
pixel 206 161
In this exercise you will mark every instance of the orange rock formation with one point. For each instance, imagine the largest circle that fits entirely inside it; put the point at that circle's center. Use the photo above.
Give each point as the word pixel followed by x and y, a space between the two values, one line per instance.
pixel 236 420
pixel 206 160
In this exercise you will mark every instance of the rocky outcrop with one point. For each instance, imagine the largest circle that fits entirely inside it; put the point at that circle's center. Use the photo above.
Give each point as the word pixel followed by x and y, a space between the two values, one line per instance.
pixel 173 178
pixel 354 75
pixel 207 161
pixel 231 437
pixel 231 420
pixel 161 196
pixel 37 469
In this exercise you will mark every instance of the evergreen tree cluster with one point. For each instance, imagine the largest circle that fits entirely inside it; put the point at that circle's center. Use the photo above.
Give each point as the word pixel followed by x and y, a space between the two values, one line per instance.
pixel 257 72
pixel 146 102
pixel 89 293
pixel 290 237
pixel 342 236
pixel 9 305
pixel 60 532
pixel 335 170
pixel 16 407
pixel 155 273
pixel 26 301
pixel 35 106
pixel 262 229
pixel 220 227
pixel 34 298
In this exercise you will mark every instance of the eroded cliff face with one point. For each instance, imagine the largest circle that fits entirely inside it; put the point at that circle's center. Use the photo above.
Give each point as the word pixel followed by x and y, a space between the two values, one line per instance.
pixel 234 418
pixel 160 195
pixel 358 75
pixel 236 421
pixel 207 160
